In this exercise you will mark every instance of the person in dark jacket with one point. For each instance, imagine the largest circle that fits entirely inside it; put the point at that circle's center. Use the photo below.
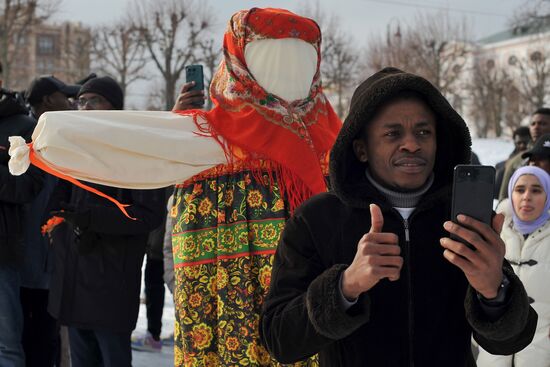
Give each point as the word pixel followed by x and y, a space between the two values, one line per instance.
pixel 521 138
pixel 40 331
pixel 539 155
pixel 95 286
pixel 14 192
pixel 538 126
pixel 366 275
pixel 154 288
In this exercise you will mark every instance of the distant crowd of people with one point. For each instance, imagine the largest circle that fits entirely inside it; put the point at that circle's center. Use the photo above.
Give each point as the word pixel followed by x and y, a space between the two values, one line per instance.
pixel 285 235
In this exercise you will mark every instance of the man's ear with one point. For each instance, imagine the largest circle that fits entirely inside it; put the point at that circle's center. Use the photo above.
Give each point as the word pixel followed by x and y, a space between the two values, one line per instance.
pixel 360 150
pixel 47 101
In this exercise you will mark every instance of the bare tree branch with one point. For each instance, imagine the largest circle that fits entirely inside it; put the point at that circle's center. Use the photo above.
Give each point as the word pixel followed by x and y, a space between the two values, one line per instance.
pixel 534 14
pixel 120 51
pixel 339 56
pixel 172 31
pixel 493 98
pixel 433 47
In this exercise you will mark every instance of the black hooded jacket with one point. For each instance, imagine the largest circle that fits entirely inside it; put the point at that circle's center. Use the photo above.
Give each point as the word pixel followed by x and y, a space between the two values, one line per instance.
pixel 96 281
pixel 427 317
pixel 14 190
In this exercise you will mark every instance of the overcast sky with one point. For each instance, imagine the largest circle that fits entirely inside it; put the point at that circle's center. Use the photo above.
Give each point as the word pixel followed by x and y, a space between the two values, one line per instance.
pixel 360 18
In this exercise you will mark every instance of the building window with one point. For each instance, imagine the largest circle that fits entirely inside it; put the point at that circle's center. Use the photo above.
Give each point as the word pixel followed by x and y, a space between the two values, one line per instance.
pixel 45 66
pixel 45 45
pixel 19 40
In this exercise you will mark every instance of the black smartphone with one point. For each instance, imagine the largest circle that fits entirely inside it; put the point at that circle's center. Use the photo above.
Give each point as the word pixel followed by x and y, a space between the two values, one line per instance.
pixel 194 73
pixel 473 190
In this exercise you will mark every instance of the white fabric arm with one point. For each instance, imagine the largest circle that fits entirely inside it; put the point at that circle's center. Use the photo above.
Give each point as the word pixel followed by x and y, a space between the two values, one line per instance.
pixel 19 156
pixel 127 149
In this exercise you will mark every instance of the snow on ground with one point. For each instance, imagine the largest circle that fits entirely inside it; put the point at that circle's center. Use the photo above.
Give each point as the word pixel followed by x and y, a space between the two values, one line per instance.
pixel 490 152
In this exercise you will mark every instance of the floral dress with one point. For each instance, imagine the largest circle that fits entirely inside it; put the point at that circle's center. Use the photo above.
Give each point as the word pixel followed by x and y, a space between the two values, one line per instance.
pixel 226 229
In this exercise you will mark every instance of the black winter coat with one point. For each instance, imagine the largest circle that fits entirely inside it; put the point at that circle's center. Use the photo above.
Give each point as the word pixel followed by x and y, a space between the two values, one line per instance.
pixel 426 318
pixel 14 190
pixel 97 272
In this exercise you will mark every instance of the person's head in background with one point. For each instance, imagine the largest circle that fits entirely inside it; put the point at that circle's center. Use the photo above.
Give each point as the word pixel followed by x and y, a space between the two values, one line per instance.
pixel 521 137
pixel 540 123
pixel 528 190
pixel 100 94
pixel 47 93
pixel 539 155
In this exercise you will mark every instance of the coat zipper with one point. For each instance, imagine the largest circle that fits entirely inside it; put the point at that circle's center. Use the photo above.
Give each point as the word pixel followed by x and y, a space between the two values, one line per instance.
pixel 409 292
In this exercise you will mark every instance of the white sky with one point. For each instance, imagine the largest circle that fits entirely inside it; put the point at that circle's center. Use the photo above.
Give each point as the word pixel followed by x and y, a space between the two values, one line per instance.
pixel 360 18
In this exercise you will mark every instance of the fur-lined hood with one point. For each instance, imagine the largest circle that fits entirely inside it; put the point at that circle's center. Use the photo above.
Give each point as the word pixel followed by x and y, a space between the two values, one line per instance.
pixel 453 137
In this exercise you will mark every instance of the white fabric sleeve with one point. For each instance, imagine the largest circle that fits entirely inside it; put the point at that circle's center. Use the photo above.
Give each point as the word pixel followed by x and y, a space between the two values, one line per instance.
pixel 126 149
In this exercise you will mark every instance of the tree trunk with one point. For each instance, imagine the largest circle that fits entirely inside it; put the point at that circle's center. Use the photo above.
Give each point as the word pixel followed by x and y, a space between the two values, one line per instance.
pixel 169 93
pixel 340 102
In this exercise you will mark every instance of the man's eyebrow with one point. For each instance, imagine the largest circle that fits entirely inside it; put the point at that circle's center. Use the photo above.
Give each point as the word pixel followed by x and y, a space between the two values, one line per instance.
pixel 396 125
pixel 424 124
pixel 392 125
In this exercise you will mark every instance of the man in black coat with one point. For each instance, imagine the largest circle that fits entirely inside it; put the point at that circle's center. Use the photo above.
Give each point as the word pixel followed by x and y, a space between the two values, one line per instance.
pixel 14 192
pixel 366 275
pixel 40 332
pixel 95 286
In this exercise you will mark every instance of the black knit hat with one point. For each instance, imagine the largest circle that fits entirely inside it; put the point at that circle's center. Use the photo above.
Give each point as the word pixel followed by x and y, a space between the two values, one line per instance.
pixel 106 87
pixel 453 136
pixel 541 149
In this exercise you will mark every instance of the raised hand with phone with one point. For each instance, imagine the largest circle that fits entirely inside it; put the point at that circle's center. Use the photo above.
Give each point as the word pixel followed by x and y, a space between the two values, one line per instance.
pixel 482 260
pixel 474 244
pixel 191 95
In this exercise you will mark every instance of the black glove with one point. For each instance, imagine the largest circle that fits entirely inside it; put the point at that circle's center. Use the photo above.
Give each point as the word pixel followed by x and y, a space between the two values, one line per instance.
pixel 80 219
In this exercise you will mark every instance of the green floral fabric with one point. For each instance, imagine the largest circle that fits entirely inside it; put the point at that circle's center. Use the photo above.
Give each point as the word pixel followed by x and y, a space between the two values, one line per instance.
pixel 226 229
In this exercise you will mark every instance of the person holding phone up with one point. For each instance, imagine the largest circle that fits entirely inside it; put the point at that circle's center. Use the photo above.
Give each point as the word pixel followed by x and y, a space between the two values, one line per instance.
pixel 367 275
pixel 526 233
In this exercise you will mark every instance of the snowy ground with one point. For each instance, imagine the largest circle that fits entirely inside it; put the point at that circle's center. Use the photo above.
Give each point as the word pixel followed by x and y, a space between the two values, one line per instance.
pixel 490 152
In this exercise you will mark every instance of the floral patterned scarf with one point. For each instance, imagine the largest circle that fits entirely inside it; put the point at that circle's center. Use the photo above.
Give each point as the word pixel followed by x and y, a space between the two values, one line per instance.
pixel 252 124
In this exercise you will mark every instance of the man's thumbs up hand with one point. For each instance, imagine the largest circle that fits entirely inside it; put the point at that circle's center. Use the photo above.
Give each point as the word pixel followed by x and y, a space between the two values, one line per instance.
pixel 377 257
pixel 376 219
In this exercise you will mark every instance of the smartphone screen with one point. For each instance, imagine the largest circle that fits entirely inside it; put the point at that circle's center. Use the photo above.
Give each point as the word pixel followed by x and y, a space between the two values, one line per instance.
pixel 194 73
pixel 473 189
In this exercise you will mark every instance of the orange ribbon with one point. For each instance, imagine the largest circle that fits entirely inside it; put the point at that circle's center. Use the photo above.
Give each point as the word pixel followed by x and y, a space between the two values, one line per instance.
pixel 40 164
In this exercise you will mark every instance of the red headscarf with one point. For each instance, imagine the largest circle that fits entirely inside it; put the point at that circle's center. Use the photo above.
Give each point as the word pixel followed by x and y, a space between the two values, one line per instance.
pixel 255 124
